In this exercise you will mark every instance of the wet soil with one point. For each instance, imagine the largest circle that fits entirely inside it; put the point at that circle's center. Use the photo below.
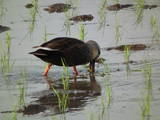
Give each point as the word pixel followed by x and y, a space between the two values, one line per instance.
pixel 116 7
pixel 58 8
pixel 82 18
pixel 134 47
pixel 29 5
pixel 3 28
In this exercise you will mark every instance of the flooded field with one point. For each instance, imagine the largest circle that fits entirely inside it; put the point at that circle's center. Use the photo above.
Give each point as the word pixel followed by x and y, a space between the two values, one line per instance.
pixel 126 82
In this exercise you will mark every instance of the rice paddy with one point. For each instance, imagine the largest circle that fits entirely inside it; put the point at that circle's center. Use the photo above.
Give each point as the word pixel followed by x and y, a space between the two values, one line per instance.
pixel 107 94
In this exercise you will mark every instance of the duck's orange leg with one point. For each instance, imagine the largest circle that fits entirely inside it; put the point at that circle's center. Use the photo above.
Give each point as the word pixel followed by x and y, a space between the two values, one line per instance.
pixel 75 70
pixel 47 69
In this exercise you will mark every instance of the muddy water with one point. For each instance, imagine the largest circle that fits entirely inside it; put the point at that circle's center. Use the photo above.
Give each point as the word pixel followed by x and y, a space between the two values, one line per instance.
pixel 131 91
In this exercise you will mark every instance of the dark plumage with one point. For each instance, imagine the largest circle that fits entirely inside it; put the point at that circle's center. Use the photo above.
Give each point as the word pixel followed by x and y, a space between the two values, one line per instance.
pixel 71 51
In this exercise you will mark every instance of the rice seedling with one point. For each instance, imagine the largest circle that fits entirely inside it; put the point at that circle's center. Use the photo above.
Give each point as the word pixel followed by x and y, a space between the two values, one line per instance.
pixel 33 14
pixel 21 84
pixel 139 8
pixel 5 61
pixel 117 30
pixel 155 28
pixel 63 97
pixel 127 53
pixel 54 118
pixel 146 103
pixel 67 22
pixel 102 14
pixel 82 32
pixel 2 10
pixel 14 113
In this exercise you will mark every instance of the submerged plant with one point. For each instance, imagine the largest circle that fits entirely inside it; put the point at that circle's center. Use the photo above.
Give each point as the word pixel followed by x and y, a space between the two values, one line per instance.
pixel 5 60
pixel 139 10
pixel 155 28
pixel 102 14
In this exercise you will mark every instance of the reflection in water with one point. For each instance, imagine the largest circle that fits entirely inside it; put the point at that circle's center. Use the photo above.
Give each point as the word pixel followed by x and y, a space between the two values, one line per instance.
pixel 79 93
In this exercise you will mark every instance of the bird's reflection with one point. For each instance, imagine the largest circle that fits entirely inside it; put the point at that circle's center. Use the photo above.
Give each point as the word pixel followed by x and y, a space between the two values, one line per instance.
pixel 80 91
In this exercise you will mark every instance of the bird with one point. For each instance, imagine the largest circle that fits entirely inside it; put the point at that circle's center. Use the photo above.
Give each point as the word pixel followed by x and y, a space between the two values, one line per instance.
pixel 68 51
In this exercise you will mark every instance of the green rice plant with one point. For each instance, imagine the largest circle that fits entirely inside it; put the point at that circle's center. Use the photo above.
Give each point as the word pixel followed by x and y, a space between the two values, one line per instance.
pixel 67 22
pixel 117 30
pixel 82 32
pixel 155 28
pixel 139 8
pixel 147 100
pixel 14 114
pixel 54 118
pixel 102 14
pixel 63 97
pixel 5 62
pixel 2 10
pixel 127 53
pixel 21 84
pixel 33 14
pixel 73 3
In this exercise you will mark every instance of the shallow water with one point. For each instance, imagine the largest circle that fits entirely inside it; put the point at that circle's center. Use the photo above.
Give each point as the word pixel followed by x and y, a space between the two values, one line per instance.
pixel 130 90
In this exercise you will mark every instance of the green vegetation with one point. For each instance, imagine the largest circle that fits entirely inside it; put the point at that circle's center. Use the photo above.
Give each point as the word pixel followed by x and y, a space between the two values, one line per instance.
pixel 155 28
pixel 117 30
pixel 146 103
pixel 33 14
pixel 127 53
pixel 5 60
pixel 21 84
pixel 2 10
pixel 102 14
pixel 82 32
pixel 139 10
pixel 67 22
pixel 63 96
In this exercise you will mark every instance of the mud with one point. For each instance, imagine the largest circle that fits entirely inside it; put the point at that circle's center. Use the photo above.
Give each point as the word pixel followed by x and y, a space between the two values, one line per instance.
pixel 29 5
pixel 135 47
pixel 117 7
pixel 82 18
pixel 3 28
pixel 58 8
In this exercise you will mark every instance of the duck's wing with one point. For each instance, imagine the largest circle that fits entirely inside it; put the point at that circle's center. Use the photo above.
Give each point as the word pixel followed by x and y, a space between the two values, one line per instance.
pixel 61 43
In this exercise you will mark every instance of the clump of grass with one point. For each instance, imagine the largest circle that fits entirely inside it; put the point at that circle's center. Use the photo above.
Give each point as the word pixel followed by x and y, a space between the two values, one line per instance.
pixel 63 97
pixel 155 28
pixel 33 14
pixel 117 30
pixel 82 32
pixel 102 14
pixel 139 10
pixel 5 62
pixel 146 105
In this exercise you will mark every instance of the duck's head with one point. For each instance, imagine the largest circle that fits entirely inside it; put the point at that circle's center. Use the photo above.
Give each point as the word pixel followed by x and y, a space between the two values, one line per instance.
pixel 94 49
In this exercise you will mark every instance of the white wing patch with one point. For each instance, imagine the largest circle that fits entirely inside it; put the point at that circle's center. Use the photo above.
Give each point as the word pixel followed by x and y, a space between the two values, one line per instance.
pixel 45 48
